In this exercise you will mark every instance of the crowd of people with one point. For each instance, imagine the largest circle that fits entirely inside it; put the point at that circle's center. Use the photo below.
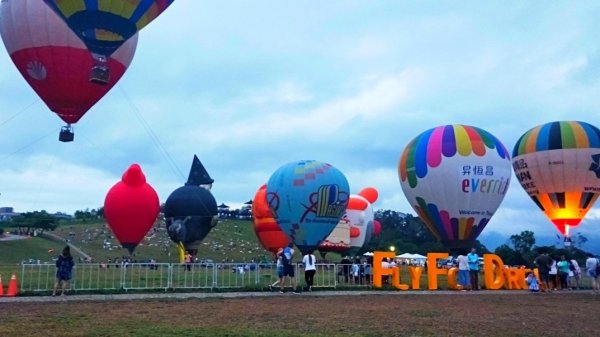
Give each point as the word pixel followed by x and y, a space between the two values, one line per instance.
pixel 553 272
pixel 559 273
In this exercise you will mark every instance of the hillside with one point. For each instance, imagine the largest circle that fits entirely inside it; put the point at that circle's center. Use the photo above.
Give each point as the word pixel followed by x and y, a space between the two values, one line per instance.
pixel 230 240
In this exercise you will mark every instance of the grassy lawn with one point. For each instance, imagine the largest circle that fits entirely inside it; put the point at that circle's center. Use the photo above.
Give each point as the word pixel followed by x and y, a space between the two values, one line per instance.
pixel 460 314
pixel 230 239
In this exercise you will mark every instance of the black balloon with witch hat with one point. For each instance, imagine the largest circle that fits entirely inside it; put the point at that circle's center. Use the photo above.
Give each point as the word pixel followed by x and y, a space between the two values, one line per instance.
pixel 191 210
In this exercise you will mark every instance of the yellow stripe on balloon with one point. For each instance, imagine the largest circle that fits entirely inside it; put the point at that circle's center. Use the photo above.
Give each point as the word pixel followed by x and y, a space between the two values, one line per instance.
pixel 581 138
pixel 462 226
pixel 69 7
pixel 104 35
pixel 150 15
pixel 469 228
pixel 530 146
pixel 123 8
pixel 181 251
pixel 463 142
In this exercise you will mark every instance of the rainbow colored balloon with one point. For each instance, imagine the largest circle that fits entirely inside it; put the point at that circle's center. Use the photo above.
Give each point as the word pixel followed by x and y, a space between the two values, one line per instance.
pixel 104 25
pixel 558 165
pixel 455 177
pixel 307 198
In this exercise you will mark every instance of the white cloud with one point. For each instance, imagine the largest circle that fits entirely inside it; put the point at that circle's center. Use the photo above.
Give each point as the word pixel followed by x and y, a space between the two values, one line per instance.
pixel 249 87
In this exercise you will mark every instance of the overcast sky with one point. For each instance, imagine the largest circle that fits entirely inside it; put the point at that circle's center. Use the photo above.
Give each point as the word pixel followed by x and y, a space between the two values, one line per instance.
pixel 251 85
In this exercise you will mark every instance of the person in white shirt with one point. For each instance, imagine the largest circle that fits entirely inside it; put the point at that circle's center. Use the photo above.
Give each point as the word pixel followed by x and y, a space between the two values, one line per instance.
pixel 553 274
pixel 310 268
pixel 590 266
pixel 279 269
pixel 463 272
pixel 385 265
pixel 576 271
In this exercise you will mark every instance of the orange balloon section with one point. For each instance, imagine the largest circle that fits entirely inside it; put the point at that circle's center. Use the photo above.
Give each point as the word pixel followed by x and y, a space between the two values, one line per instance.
pixel 270 236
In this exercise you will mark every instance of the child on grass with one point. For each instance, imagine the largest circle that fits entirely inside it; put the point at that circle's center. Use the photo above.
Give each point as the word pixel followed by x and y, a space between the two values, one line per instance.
pixel 534 286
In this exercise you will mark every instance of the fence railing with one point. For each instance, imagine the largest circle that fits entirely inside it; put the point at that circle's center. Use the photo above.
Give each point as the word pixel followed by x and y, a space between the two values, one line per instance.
pixel 175 276
pixel 196 276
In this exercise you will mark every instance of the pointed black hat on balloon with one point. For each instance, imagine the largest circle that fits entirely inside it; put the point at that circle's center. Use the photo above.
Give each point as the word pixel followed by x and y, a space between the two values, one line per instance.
pixel 198 175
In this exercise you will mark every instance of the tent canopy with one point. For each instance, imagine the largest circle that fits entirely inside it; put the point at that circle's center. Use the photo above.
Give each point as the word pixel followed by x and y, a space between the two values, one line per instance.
pixel 411 256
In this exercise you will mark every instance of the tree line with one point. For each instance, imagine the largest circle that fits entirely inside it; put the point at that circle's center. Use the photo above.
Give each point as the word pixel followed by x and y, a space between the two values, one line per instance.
pixel 403 231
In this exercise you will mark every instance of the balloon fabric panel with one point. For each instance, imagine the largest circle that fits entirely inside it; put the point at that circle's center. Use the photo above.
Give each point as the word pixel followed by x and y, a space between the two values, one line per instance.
pixel 270 236
pixel 104 25
pixel 554 163
pixel 191 210
pixel 307 198
pixel 131 207
pixel 455 177
pixel 56 65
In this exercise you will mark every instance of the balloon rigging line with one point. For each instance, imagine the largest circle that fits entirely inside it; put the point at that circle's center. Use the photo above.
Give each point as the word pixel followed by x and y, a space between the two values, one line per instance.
pixel 151 133
pixel 105 155
pixel 28 145
pixel 20 112
pixel 44 184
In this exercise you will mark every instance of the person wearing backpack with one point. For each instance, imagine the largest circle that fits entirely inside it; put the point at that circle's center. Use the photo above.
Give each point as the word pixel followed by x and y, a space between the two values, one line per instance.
pixel 574 268
pixel 64 271
pixel 592 266
pixel 288 268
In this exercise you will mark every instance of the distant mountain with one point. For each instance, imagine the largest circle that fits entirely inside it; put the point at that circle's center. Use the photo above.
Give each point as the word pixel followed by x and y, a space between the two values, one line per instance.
pixel 494 239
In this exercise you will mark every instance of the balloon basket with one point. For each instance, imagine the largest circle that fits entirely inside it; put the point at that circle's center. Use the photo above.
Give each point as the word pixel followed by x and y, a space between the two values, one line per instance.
pixel 100 74
pixel 66 134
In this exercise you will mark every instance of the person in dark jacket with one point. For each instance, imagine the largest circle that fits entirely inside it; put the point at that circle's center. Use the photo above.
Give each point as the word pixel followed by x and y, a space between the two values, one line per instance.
pixel 64 271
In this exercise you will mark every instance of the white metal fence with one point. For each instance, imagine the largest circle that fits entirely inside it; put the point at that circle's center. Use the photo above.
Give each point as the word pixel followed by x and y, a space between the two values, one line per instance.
pixel 198 276
pixel 174 276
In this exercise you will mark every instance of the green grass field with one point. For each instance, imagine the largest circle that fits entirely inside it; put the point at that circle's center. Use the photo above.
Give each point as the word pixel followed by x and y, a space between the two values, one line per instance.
pixel 230 239
pixel 458 314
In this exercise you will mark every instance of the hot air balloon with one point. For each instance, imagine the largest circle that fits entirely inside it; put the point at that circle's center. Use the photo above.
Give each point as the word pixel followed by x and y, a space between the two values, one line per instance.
pixel 104 25
pixel 307 198
pixel 339 239
pixel 131 207
pixel 191 210
pixel 270 236
pixel 455 177
pixel 361 217
pixel 55 64
pixel 558 166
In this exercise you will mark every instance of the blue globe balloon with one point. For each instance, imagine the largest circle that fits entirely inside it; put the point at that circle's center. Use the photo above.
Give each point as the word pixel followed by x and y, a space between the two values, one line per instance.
pixel 307 199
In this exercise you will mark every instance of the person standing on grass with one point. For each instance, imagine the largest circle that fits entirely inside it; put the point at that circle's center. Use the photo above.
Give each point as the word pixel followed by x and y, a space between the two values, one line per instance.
pixel 574 267
pixel 532 283
pixel 279 269
pixel 543 262
pixel 563 272
pixel 553 273
pixel 310 268
pixel 473 259
pixel 188 261
pixel 591 266
pixel 288 268
pixel 368 270
pixel 463 272
pixel 64 271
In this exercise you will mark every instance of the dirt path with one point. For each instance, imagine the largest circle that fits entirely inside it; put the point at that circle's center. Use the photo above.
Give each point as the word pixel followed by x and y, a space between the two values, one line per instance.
pixel 59 239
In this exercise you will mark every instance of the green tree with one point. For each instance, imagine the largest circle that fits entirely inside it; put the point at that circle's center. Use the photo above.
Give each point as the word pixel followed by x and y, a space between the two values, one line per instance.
pixel 523 242
pixel 507 254
pixel 31 221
